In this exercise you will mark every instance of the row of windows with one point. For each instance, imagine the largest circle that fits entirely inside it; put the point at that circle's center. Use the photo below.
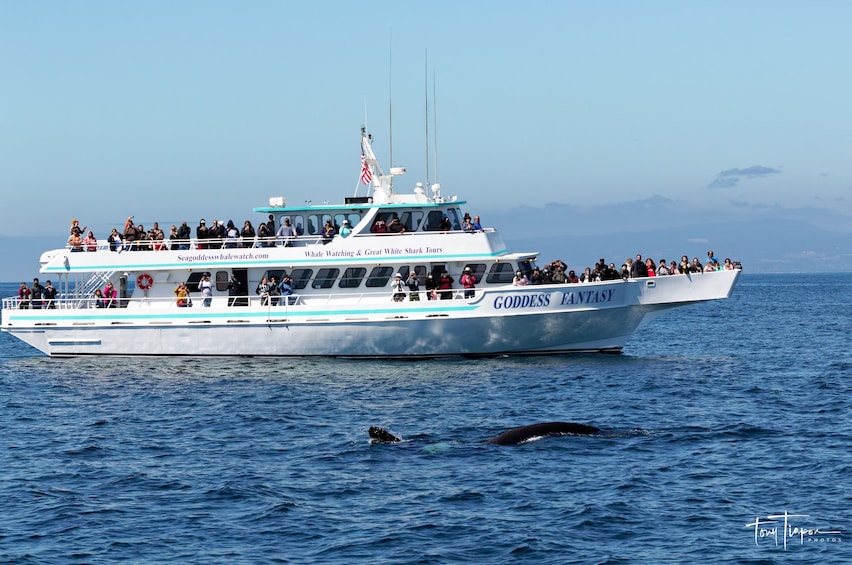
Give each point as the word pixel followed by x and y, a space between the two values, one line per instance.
pixel 311 224
pixel 378 277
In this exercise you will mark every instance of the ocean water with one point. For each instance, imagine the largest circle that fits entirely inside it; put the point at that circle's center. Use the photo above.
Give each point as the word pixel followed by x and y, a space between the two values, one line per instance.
pixel 716 417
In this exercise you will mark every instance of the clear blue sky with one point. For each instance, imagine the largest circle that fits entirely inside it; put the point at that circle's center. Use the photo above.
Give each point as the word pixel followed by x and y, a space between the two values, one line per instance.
pixel 177 110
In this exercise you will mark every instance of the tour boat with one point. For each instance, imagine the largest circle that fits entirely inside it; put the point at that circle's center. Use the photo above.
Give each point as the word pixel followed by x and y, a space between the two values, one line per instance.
pixel 344 299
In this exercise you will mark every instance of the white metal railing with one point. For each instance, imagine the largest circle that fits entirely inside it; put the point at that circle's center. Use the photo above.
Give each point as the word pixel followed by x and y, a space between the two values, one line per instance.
pixel 238 242
pixel 77 301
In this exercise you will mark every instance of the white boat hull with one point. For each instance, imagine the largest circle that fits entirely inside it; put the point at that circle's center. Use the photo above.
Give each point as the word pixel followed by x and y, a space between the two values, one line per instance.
pixel 539 319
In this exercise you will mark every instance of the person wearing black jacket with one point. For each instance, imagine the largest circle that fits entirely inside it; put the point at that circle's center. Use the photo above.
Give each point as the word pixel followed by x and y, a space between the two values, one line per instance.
pixel 36 293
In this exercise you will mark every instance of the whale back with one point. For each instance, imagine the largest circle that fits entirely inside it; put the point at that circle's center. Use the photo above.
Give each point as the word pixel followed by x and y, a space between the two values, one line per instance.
pixel 381 435
pixel 543 429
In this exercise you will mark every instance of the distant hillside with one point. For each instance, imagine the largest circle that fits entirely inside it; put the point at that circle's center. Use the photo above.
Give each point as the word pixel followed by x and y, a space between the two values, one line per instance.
pixel 763 245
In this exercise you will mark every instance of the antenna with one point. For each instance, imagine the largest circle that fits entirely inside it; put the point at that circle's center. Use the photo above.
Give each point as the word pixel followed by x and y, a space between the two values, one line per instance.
pixel 435 116
pixel 426 109
pixel 390 99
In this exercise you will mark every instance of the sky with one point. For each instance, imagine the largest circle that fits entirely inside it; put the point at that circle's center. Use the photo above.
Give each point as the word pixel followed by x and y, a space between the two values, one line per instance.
pixel 173 111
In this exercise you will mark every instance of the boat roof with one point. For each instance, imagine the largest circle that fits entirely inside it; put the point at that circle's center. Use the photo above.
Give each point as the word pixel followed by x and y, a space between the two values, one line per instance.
pixel 356 206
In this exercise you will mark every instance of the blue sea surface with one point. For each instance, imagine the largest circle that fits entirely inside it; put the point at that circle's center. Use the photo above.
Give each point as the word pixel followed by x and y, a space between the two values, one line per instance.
pixel 716 416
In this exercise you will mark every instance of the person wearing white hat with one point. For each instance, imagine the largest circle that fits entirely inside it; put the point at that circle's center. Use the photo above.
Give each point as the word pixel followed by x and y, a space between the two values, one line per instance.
pixel 345 229
pixel 398 288
pixel 468 282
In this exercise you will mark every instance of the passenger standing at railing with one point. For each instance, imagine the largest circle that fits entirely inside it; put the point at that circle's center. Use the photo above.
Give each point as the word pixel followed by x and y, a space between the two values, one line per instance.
pixel 398 288
pixel 182 293
pixel 345 229
pixel 184 235
pixel 49 295
pixel 75 242
pixel 263 290
pixel 285 234
pixel 263 234
pixel 129 235
pixel 286 288
pixel 234 287
pixel 143 239
pixel 206 287
pixel 173 237
pixel 91 242
pixel 247 234
pixel 201 234
pixel 75 227
pixel 673 270
pixel 36 293
pixel 413 287
pixel 232 234
pixel 445 285
pixel 468 282
pixel 327 232
pixel 217 234
pixel 274 291
pixel 24 296
pixel 99 299
pixel 431 285
pixel 114 240
pixel 158 236
pixel 110 294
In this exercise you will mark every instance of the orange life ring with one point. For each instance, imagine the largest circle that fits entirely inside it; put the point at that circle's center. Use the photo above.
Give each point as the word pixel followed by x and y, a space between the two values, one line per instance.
pixel 145 281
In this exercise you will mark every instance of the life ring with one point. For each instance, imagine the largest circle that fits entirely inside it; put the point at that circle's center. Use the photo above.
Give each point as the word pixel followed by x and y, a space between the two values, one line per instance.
pixel 145 281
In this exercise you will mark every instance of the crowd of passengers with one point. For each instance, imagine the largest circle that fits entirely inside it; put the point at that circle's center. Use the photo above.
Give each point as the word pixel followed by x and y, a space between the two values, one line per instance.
pixel 271 291
pixel 220 234
pixel 557 272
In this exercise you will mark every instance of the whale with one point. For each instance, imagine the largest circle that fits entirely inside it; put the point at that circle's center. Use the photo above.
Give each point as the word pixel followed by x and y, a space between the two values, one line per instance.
pixel 381 435
pixel 523 434
pixel 514 436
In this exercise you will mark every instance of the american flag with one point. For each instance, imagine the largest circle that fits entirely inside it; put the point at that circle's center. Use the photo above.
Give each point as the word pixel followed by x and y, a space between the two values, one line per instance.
pixel 366 173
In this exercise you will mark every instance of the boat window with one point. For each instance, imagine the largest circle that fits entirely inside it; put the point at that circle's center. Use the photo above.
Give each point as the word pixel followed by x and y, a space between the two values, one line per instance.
pixel 315 223
pixel 455 220
pixel 193 279
pixel 433 220
pixel 221 279
pixel 379 276
pixel 352 277
pixel 477 269
pixel 525 267
pixel 500 273
pixel 437 270
pixel 420 271
pixel 296 220
pixel 411 220
pixel 277 273
pixel 353 218
pixel 325 278
pixel 301 277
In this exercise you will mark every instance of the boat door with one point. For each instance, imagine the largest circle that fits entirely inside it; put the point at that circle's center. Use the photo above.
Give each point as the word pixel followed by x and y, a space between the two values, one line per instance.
pixel 242 277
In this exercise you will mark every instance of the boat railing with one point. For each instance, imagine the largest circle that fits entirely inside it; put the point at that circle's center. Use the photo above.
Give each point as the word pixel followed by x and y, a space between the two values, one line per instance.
pixel 237 243
pixel 81 301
